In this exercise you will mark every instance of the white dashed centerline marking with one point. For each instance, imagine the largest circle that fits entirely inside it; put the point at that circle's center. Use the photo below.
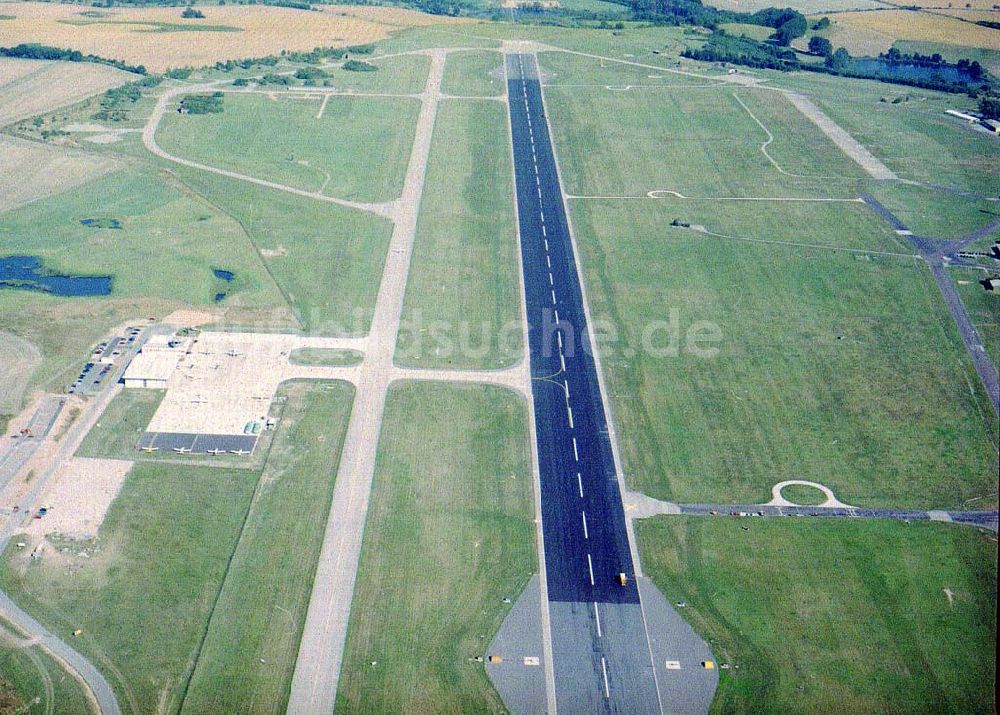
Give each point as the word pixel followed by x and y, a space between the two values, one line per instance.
pixel 569 412
pixel 579 483
pixel 604 669
pixel 590 568
pixel 545 234
pixel 548 264
pixel 556 312
pixel 559 338
pixel 553 297
pixel 562 362
pixel 597 617
pixel 576 453
pixel 586 534
pixel 551 282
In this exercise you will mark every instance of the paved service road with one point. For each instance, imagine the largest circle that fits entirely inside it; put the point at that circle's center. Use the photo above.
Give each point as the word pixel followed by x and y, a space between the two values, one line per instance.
pixel 601 654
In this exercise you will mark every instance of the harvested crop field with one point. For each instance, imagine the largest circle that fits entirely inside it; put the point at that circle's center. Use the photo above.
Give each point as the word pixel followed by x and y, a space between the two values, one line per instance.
pixel 30 87
pixel 921 27
pixel 31 171
pixel 159 38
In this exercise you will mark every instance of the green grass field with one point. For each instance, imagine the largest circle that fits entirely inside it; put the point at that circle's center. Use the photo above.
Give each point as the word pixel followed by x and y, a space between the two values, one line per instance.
pixel 34 683
pixel 834 615
pixel 123 422
pixel 327 260
pixel 144 597
pixel 755 32
pixel 325 357
pixel 462 305
pixel 167 245
pixel 357 150
pixel 936 214
pixel 698 141
pixel 474 74
pixel 983 308
pixel 404 74
pixel 249 652
pixel 839 368
pixel 449 535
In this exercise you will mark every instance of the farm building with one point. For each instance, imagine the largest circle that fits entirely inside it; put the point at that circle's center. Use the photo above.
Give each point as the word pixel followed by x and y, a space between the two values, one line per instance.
pixel 152 369
pixel 991 283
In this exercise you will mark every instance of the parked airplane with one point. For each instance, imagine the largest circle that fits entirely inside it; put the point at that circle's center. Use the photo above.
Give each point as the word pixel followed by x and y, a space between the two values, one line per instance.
pixel 182 450
pixel 216 451
pixel 150 448
pixel 239 452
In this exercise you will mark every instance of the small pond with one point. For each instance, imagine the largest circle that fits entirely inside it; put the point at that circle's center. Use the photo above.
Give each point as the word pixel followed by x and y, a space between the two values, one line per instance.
pixel 910 71
pixel 28 273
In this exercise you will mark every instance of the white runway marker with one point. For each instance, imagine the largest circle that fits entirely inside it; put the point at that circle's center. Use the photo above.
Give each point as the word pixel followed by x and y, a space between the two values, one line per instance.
pixel 542 214
pixel 553 297
pixel 545 234
pixel 576 453
pixel 604 669
pixel 597 617
pixel 548 263
pixel 569 411
pixel 539 191
pixel 566 388
pixel 562 361
pixel 550 277
pixel 557 315
pixel 590 568
pixel 579 483
pixel 559 338
pixel 586 534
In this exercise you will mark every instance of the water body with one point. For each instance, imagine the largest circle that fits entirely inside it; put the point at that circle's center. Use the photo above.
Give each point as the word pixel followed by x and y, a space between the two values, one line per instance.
pixel 225 275
pixel 28 273
pixel 908 71
pixel 101 222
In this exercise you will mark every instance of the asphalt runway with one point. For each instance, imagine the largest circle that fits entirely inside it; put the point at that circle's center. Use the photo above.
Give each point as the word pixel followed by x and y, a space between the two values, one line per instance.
pixel 601 654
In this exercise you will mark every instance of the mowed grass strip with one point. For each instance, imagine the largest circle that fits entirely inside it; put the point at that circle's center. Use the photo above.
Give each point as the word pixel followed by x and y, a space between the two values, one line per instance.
pixel 326 357
pixel 326 260
pixel 474 74
pixel 358 149
pixel 817 615
pixel 698 141
pixel 122 424
pixel 143 599
pixel 565 68
pixel 462 305
pixel 449 535
pixel 838 368
pixel 252 642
